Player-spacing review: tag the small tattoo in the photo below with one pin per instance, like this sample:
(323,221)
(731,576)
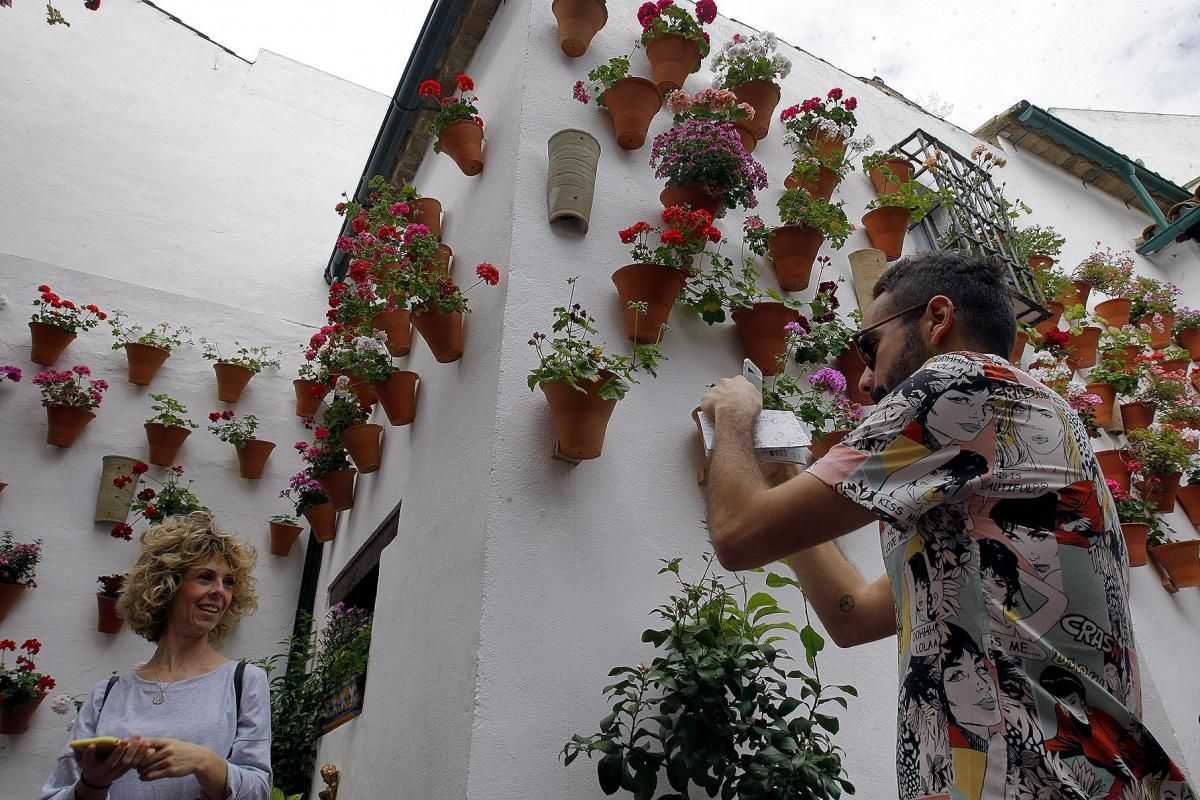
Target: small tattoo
(847,603)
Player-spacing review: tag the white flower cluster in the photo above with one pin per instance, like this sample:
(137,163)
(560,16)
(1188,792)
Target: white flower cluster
(833,129)
(1048,370)
(375,343)
(740,48)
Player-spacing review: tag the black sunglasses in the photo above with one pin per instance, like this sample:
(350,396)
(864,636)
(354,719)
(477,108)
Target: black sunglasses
(866,347)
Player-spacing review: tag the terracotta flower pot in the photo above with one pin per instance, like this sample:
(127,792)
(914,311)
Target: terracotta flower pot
(48,343)
(398,396)
(1019,347)
(1181,561)
(283,536)
(822,188)
(442,332)
(3,486)
(1040,262)
(746,134)
(763,96)
(107,618)
(1176,365)
(339,487)
(252,457)
(1050,323)
(323,521)
(1189,497)
(1190,340)
(901,167)
(850,364)
(672,57)
(1136,534)
(793,249)
(826,443)
(1081,350)
(578,22)
(65,423)
(1129,355)
(656,286)
(398,327)
(762,333)
(827,146)
(1112,464)
(1115,312)
(16,718)
(362,443)
(1164,496)
(1082,290)
(581,418)
(1108,396)
(231,381)
(428,212)
(144,361)
(10,593)
(463,141)
(691,194)
(632,104)
(308,396)
(164,442)
(1159,338)
(886,227)
(1136,416)
(441,260)
(363,391)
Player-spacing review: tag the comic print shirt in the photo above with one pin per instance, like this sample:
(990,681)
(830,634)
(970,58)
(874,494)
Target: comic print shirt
(1018,676)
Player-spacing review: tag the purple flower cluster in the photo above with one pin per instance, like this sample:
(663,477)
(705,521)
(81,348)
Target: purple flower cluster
(829,380)
(710,154)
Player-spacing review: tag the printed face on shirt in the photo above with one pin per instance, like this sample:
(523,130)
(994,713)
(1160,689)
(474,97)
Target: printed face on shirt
(959,416)
(971,692)
(1042,430)
(1039,548)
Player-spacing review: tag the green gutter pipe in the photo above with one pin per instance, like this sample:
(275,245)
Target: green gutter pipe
(1127,171)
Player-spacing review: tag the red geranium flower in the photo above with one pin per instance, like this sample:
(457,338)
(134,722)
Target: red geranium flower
(851,104)
(122,530)
(488,273)
(140,469)
(465,84)
(32,646)
(121,481)
(8,644)
(43,288)
(672,236)
(430,88)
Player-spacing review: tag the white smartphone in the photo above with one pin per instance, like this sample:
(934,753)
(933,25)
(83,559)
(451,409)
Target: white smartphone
(752,373)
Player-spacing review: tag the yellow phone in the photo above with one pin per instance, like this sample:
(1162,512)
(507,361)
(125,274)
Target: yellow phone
(104,744)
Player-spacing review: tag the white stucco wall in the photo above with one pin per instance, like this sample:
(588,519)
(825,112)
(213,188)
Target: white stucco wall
(1166,143)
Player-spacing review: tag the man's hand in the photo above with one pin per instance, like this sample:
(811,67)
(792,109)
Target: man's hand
(732,398)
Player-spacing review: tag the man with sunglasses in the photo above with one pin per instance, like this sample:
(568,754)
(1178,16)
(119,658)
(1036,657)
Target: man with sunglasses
(940,464)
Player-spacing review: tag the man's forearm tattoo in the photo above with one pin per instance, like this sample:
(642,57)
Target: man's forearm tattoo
(847,603)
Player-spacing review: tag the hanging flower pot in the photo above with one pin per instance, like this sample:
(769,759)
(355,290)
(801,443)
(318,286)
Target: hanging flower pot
(231,381)
(1129,355)
(581,418)
(1190,340)
(144,361)
(866,268)
(1050,323)
(398,327)
(428,212)
(308,396)
(691,194)
(793,249)
(112,501)
(1112,463)
(1160,335)
(746,134)
(656,286)
(322,519)
(763,96)
(886,227)
(828,146)
(1136,416)
(1181,562)
(463,141)
(362,443)
(761,328)
(107,618)
(363,391)
(442,332)
(1082,290)
(1081,350)
(673,57)
(1189,497)
(822,188)
(339,487)
(573,159)
(578,22)
(1161,493)
(1115,312)
(164,442)
(15,717)
(1019,346)
(1108,396)
(65,423)
(10,593)
(1040,262)
(632,104)
(1176,365)
(49,342)
(398,396)
(1136,534)
(283,536)
(901,168)
(828,439)
(850,363)
(252,457)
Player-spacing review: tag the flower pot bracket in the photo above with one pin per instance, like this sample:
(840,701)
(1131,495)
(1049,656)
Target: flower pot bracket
(558,455)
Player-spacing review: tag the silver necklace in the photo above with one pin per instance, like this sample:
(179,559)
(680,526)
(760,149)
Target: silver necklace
(160,696)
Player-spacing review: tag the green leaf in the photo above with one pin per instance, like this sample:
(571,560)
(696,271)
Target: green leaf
(647,782)
(759,599)
(677,773)
(608,771)
(655,637)
(830,724)
(813,644)
(607,723)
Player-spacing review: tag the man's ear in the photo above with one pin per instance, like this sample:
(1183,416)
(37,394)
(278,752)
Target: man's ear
(940,318)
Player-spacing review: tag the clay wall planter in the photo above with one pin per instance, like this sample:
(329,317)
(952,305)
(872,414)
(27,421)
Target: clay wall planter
(1129,355)
(339,487)
(398,327)
(441,260)
(65,423)
(252,457)
(1181,561)
(574,157)
(672,57)
(1176,365)
(886,227)
(793,249)
(656,286)
(828,439)
(463,141)
(1108,396)
(746,135)
(901,167)
(581,418)
(1189,497)
(866,268)
(442,332)
(1136,416)
(632,104)
(308,396)
(10,593)
(1019,347)
(1115,312)
(1159,338)
(112,504)
(578,22)
(764,97)
(164,442)
(323,521)
(827,146)
(363,391)
(107,618)
(48,343)
(398,396)
(1082,291)
(231,381)
(1112,464)
(1190,340)
(428,212)
(691,194)
(283,536)
(1081,350)
(144,362)
(1136,534)
(3,486)
(1050,323)
(362,443)
(16,718)
(762,334)
(1040,262)
(822,188)
(1163,498)
(850,364)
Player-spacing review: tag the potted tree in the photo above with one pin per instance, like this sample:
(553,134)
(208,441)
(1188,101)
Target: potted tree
(22,687)
(582,383)
(457,124)
(252,453)
(234,372)
(171,499)
(675,40)
(1158,457)
(167,429)
(1137,518)
(889,215)
(706,166)
(107,619)
(309,500)
(807,223)
(146,349)
(631,101)
(18,569)
(750,67)
(55,324)
(69,397)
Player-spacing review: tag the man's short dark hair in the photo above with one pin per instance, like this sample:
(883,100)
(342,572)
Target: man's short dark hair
(977,285)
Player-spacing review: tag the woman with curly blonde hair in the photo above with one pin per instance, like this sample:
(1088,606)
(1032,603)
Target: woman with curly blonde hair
(190,721)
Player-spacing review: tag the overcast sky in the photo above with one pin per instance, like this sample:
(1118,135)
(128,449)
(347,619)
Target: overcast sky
(978,57)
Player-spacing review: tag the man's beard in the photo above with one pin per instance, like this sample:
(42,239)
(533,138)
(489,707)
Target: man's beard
(913,355)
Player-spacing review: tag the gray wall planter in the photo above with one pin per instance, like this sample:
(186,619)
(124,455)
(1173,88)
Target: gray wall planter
(571,178)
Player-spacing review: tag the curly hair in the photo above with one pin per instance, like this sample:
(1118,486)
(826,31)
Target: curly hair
(169,549)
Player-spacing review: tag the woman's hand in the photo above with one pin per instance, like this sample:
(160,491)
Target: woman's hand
(103,771)
(172,758)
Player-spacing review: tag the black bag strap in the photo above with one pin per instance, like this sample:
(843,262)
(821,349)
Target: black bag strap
(238,673)
(104,698)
